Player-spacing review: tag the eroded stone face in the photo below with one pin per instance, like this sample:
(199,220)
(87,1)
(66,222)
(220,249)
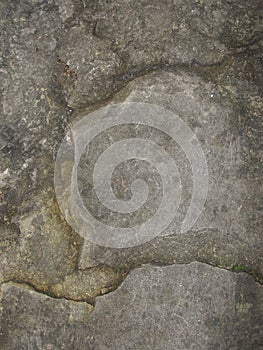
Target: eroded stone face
(199,59)
(37,245)
(89,67)
(147,32)
(192,306)
(36,313)
(212,113)
(45,48)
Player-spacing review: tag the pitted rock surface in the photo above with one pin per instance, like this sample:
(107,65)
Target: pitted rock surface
(175,307)
(61,60)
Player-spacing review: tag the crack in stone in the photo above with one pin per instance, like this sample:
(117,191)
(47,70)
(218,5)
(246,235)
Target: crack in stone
(121,80)
(106,290)
(81,285)
(29,286)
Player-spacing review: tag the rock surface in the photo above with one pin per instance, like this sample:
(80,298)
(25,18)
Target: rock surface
(59,61)
(175,307)
(228,230)
(176,31)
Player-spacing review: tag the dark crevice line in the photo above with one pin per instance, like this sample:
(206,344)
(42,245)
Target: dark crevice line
(258,279)
(30,286)
(234,268)
(124,77)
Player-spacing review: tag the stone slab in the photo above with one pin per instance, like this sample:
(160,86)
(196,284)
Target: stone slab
(178,307)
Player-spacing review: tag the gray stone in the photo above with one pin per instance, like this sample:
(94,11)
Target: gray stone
(88,67)
(60,60)
(27,320)
(175,307)
(37,246)
(228,230)
(148,32)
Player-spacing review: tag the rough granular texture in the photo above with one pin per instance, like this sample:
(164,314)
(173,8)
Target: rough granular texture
(59,61)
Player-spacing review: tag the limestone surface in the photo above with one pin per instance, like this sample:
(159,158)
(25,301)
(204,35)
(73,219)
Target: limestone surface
(64,60)
(191,306)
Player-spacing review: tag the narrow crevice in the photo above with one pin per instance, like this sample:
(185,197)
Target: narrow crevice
(126,76)
(30,286)
(102,289)
(238,268)
(234,268)
(106,290)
